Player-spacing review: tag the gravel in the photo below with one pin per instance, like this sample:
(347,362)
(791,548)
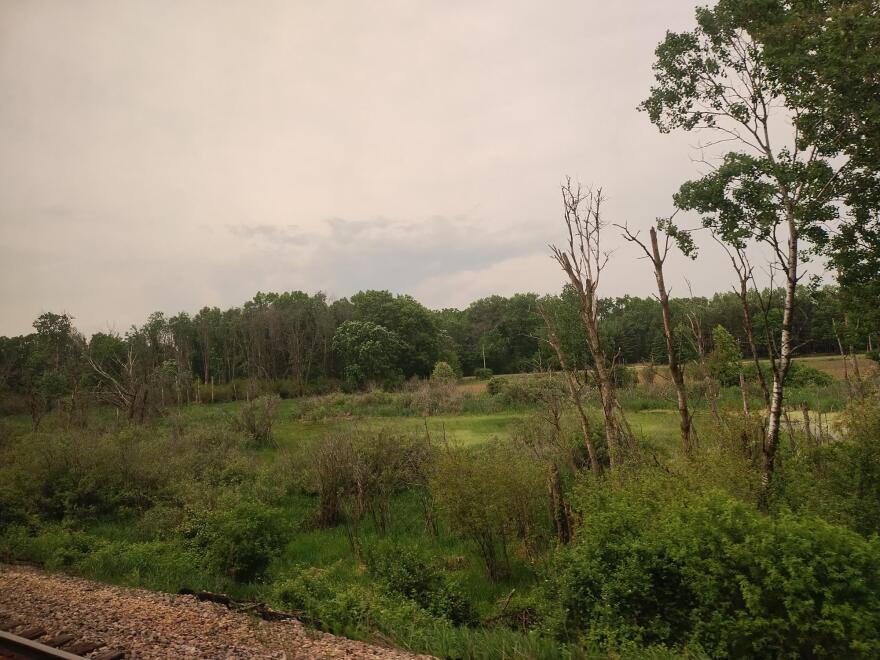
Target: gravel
(148,624)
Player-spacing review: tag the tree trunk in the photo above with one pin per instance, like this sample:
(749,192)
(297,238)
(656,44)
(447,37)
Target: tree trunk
(607,390)
(574,392)
(771,444)
(561,512)
(684,415)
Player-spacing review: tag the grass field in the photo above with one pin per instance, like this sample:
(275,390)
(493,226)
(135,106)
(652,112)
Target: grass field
(149,548)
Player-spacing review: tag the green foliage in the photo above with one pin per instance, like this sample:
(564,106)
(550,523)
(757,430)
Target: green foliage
(624,376)
(492,497)
(529,391)
(255,419)
(405,571)
(712,574)
(443,373)
(236,537)
(409,321)
(355,474)
(725,360)
(840,480)
(369,351)
(481,373)
(799,375)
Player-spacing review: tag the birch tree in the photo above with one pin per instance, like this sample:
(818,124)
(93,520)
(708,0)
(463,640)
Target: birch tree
(777,187)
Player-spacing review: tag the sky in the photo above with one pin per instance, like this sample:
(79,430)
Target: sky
(168,155)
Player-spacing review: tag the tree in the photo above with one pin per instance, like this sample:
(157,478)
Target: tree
(443,373)
(369,352)
(583,260)
(409,320)
(574,384)
(658,259)
(825,57)
(782,191)
(725,359)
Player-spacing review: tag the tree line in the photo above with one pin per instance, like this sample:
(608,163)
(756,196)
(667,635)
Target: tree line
(300,343)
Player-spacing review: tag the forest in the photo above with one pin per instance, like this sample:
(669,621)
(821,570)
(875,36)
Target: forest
(534,476)
(294,344)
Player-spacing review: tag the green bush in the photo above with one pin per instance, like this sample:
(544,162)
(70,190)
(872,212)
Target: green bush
(840,480)
(404,571)
(443,372)
(710,573)
(799,375)
(725,360)
(492,497)
(522,391)
(237,537)
(325,601)
(482,373)
(624,376)
(495,385)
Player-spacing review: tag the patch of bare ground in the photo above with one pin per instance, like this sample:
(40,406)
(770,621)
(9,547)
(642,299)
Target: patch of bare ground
(147,624)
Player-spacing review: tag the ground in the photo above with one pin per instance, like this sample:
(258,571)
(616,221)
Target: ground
(148,624)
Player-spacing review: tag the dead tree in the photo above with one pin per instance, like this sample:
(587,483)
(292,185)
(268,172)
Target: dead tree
(128,389)
(658,258)
(574,388)
(582,259)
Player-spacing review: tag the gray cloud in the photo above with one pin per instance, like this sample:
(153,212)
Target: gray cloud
(285,235)
(167,155)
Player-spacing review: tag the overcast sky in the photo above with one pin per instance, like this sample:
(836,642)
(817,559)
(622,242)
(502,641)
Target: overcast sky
(165,155)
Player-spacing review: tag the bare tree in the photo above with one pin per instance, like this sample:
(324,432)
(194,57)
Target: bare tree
(583,260)
(658,258)
(575,388)
(125,385)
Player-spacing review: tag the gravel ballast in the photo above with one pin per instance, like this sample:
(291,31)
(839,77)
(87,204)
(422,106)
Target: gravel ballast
(148,624)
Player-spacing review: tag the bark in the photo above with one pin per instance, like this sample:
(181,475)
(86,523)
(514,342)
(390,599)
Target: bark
(684,415)
(574,391)
(583,260)
(771,444)
(607,390)
(561,509)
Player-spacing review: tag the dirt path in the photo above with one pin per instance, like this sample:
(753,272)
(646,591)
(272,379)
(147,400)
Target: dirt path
(148,624)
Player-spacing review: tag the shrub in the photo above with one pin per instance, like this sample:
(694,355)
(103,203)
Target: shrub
(355,474)
(317,596)
(799,375)
(495,385)
(624,376)
(443,373)
(237,538)
(402,570)
(491,497)
(725,359)
(482,373)
(710,573)
(525,390)
(255,419)
(840,481)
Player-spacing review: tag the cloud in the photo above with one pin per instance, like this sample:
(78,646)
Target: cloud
(270,234)
(534,272)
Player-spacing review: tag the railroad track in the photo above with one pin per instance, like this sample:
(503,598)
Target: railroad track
(20,641)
